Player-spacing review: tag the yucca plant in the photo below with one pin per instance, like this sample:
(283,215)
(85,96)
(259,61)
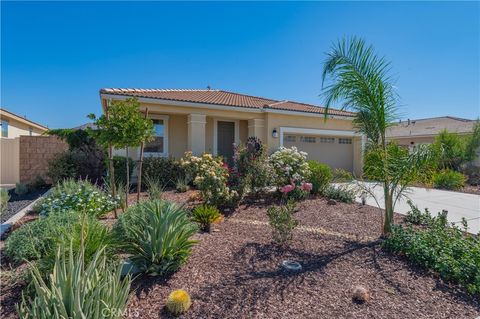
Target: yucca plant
(76,289)
(205,215)
(157,235)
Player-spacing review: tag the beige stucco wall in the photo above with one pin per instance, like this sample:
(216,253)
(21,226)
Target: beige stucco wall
(407,141)
(9,160)
(17,128)
(178,127)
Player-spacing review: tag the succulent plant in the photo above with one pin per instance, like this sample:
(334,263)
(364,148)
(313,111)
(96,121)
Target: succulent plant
(178,302)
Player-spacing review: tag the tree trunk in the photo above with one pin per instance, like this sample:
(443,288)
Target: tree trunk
(140,164)
(387,224)
(127,183)
(112,177)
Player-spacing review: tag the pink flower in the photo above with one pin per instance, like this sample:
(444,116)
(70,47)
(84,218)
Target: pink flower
(306,186)
(287,188)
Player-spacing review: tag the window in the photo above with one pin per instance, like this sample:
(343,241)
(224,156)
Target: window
(327,140)
(308,139)
(290,138)
(4,128)
(344,141)
(159,144)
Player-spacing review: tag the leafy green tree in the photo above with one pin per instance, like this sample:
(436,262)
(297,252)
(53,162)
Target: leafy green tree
(122,126)
(360,79)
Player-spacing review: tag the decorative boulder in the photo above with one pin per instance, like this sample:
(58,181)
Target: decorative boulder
(332,202)
(360,294)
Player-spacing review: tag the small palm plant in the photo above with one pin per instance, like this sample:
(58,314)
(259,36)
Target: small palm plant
(360,79)
(76,289)
(205,215)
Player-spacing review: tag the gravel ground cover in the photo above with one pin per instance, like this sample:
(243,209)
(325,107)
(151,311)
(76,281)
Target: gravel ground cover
(234,272)
(18,202)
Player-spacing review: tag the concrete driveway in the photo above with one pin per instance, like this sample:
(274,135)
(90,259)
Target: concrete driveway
(457,204)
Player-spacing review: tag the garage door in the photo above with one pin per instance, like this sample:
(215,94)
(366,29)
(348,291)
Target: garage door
(334,151)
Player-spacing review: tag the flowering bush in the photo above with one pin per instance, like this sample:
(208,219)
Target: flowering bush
(78,196)
(291,172)
(210,176)
(251,166)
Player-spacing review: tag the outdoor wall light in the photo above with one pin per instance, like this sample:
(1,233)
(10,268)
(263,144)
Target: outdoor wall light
(274,133)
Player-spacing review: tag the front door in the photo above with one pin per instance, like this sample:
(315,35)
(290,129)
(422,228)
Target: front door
(225,139)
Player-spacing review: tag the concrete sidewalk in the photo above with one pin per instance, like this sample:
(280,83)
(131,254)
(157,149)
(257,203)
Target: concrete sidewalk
(457,204)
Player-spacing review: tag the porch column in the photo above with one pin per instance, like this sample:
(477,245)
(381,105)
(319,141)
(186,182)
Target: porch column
(256,127)
(196,133)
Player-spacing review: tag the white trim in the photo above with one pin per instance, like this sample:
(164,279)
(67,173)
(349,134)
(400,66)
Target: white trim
(215,132)
(165,153)
(313,131)
(223,107)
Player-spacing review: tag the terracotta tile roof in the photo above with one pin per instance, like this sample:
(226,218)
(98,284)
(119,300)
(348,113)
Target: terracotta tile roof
(220,97)
(431,126)
(309,108)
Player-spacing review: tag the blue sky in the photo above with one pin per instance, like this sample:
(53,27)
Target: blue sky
(56,56)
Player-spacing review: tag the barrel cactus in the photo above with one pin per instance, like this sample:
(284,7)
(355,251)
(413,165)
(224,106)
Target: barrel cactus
(178,302)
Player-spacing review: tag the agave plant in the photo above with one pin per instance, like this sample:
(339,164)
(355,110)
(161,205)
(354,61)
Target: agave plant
(76,290)
(157,235)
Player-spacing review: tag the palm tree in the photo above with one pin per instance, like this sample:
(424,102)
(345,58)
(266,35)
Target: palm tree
(360,80)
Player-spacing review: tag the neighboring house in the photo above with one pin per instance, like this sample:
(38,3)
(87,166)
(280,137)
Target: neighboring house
(213,120)
(411,133)
(13,125)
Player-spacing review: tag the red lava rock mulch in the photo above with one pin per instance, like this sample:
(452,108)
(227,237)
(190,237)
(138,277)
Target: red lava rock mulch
(235,273)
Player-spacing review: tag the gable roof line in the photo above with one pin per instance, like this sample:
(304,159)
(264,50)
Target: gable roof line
(223,98)
(23,119)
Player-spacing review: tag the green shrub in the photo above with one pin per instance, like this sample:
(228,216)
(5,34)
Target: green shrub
(87,236)
(340,193)
(181,185)
(157,235)
(62,166)
(449,179)
(341,176)
(34,240)
(449,251)
(320,176)
(79,196)
(165,170)
(120,168)
(416,217)
(204,215)
(4,198)
(154,188)
(282,222)
(77,289)
(21,189)
(38,183)
(251,170)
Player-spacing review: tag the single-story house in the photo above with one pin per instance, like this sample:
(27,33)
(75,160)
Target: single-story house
(411,133)
(213,120)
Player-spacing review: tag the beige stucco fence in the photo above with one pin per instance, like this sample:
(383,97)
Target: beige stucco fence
(9,160)
(26,157)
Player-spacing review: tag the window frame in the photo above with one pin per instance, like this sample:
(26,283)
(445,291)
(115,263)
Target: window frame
(165,119)
(2,123)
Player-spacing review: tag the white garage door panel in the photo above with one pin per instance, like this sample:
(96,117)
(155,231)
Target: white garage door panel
(334,154)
